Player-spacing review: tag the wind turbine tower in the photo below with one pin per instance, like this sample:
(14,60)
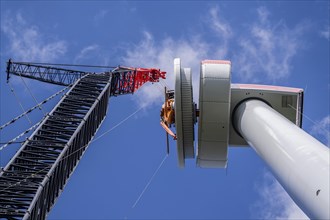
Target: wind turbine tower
(266,118)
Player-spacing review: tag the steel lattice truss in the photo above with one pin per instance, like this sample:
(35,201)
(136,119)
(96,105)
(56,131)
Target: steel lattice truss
(50,74)
(36,175)
(125,80)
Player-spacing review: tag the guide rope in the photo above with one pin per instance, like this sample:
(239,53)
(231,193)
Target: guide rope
(78,65)
(97,138)
(32,94)
(34,107)
(19,102)
(150,180)
(12,141)
(303,114)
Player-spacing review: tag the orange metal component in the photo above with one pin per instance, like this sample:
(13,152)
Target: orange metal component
(167,112)
(168,130)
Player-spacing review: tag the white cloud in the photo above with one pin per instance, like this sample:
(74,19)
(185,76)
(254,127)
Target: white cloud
(266,52)
(274,202)
(160,54)
(100,15)
(218,24)
(325,33)
(26,41)
(321,129)
(148,53)
(90,53)
(222,29)
(87,53)
(263,14)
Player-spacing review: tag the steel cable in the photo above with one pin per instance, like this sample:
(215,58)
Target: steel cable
(32,94)
(19,102)
(32,175)
(34,107)
(59,64)
(19,136)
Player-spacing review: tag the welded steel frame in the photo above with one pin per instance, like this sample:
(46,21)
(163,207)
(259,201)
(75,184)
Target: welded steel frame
(50,74)
(123,82)
(34,178)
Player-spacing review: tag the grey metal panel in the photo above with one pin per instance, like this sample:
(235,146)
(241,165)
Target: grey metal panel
(37,174)
(285,100)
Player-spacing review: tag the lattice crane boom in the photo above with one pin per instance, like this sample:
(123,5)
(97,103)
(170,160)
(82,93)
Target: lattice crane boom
(124,79)
(38,172)
(35,176)
(44,73)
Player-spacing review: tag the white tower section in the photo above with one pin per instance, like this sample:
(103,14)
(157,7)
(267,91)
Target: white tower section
(299,161)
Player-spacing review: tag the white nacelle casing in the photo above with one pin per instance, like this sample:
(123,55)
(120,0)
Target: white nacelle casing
(214,115)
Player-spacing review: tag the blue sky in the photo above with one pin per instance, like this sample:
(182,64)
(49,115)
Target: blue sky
(276,42)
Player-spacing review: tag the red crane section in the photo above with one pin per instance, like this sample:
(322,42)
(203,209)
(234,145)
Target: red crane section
(129,79)
(144,75)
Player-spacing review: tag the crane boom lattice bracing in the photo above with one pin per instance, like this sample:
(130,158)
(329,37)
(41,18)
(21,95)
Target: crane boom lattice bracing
(50,74)
(34,178)
(125,80)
